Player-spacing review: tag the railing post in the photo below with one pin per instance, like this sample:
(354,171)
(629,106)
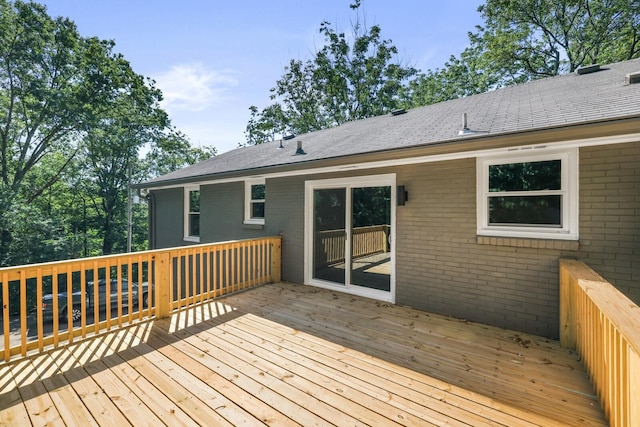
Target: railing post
(276,260)
(567,315)
(158,267)
(162,284)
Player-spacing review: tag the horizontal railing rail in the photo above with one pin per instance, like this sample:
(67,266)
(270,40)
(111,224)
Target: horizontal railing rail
(603,325)
(46,305)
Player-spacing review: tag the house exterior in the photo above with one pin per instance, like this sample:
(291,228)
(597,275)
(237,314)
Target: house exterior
(460,208)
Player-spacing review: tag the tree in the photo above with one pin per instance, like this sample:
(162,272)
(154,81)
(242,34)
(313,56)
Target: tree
(528,39)
(350,78)
(74,117)
(460,77)
(54,86)
(112,144)
(172,151)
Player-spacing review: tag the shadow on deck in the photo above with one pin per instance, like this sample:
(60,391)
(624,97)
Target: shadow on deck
(287,354)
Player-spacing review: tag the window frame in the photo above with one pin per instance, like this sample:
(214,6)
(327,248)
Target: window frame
(187,212)
(248,201)
(568,192)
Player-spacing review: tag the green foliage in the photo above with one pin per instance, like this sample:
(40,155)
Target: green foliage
(74,118)
(172,151)
(371,206)
(513,205)
(264,125)
(525,40)
(528,39)
(526,176)
(112,145)
(458,78)
(352,77)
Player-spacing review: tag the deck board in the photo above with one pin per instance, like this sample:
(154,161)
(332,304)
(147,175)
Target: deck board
(295,355)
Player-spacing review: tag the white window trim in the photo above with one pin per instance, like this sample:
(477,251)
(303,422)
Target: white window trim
(247,201)
(186,205)
(569,192)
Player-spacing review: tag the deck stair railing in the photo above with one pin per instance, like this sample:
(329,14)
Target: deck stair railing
(603,325)
(46,305)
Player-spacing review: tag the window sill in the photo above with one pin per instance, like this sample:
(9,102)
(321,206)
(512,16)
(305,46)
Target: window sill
(517,242)
(191,239)
(253,225)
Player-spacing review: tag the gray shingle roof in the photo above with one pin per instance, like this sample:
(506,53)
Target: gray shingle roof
(552,102)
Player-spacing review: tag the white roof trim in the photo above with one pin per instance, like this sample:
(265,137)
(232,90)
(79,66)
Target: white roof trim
(589,142)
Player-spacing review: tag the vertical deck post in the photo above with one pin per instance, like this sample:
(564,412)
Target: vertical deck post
(162,284)
(567,315)
(276,260)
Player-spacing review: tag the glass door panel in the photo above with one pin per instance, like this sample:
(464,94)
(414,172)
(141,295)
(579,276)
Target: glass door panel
(329,234)
(370,263)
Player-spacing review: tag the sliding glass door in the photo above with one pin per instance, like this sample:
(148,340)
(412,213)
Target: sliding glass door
(329,234)
(349,234)
(370,263)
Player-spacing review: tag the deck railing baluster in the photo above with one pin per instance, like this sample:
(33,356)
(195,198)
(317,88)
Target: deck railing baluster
(601,324)
(5,315)
(176,278)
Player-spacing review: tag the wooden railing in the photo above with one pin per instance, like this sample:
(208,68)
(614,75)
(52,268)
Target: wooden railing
(603,325)
(330,244)
(111,291)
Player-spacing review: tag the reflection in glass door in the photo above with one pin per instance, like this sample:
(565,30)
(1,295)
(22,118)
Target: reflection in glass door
(350,234)
(370,237)
(329,234)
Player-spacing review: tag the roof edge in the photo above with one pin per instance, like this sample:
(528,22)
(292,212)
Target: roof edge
(552,134)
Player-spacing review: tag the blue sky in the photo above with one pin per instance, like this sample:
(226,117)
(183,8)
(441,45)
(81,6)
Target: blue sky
(213,59)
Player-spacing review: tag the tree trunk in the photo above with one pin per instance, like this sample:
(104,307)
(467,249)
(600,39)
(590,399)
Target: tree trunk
(5,245)
(110,236)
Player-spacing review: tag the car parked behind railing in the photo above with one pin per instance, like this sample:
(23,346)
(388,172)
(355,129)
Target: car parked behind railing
(75,302)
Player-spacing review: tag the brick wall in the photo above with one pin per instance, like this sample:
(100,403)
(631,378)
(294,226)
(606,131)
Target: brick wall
(610,214)
(443,267)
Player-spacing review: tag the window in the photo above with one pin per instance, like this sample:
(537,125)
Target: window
(192,214)
(531,196)
(254,191)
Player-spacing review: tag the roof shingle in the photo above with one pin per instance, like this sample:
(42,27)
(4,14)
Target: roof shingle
(552,102)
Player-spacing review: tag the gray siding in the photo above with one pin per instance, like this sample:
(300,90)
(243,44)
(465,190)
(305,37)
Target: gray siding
(442,265)
(284,215)
(167,223)
(222,214)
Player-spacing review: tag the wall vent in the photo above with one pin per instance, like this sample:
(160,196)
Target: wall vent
(632,78)
(588,69)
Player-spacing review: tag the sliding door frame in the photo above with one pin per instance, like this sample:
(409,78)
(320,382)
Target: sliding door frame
(384,180)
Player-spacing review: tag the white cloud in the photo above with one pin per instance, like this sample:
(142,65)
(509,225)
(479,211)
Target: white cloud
(193,87)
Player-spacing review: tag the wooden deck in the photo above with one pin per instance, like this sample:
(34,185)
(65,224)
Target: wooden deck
(296,355)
